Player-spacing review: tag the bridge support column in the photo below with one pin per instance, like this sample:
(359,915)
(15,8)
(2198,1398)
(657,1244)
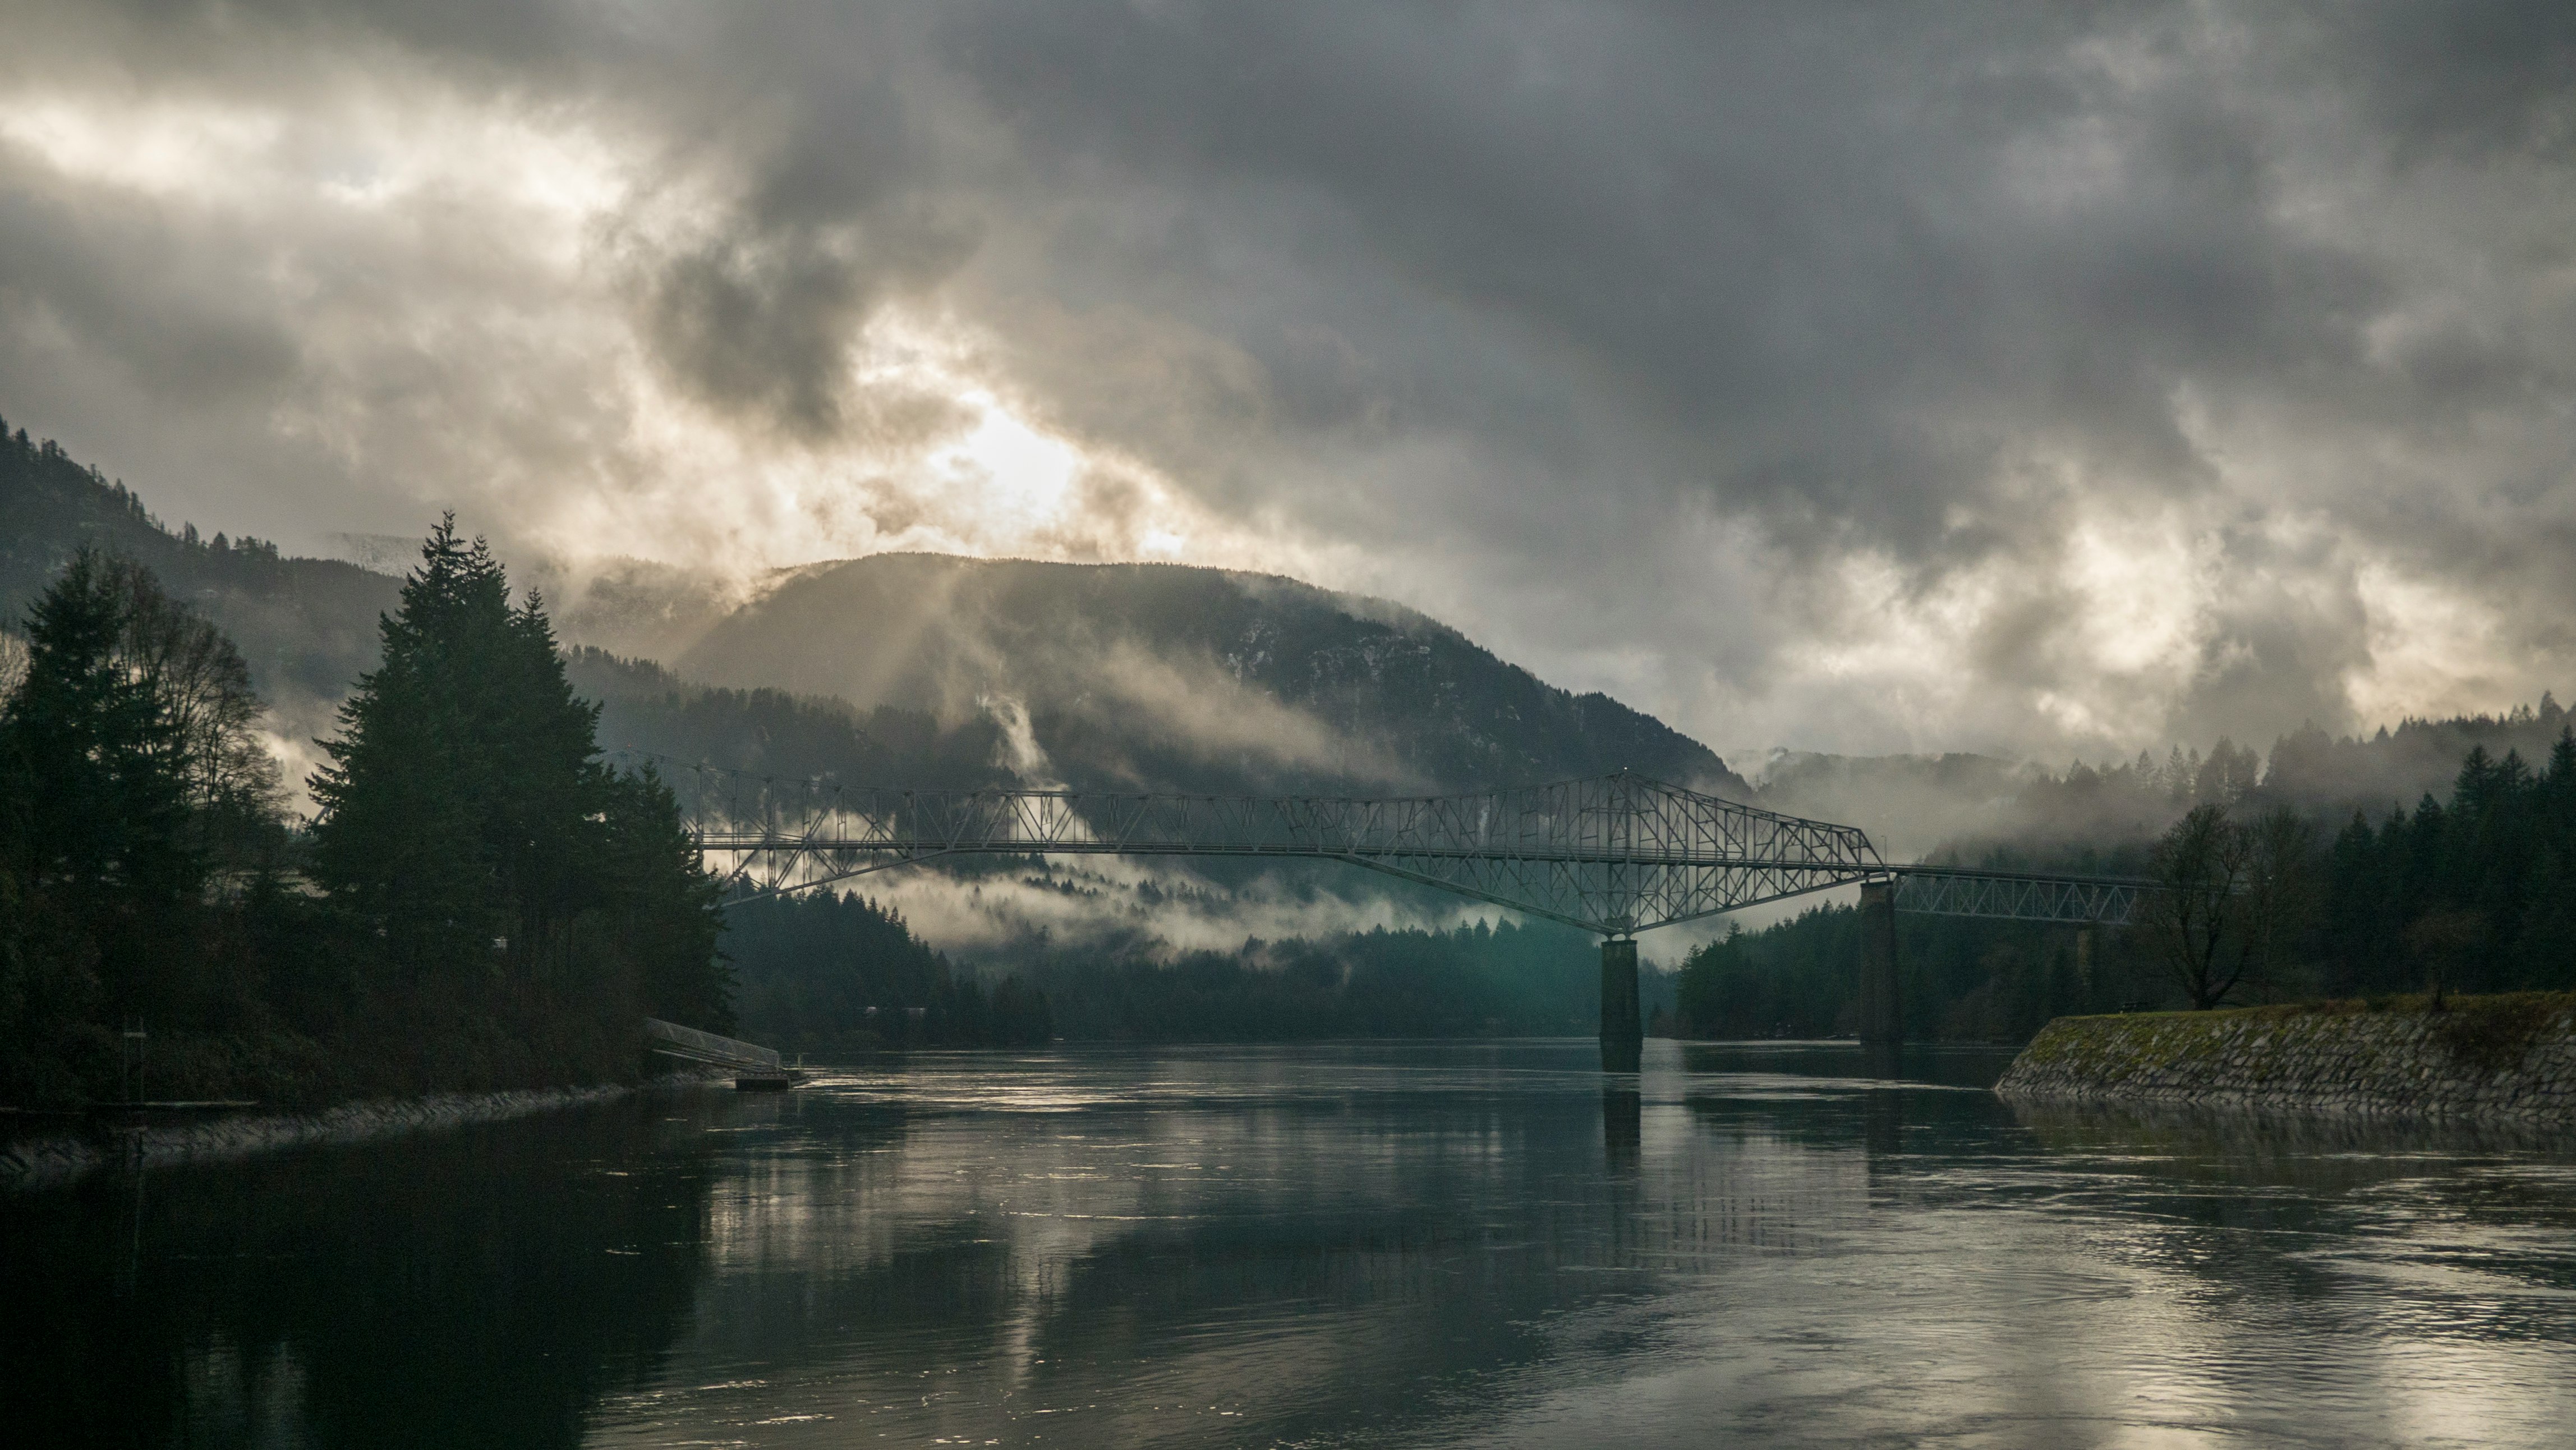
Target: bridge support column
(1882,1016)
(1623,1032)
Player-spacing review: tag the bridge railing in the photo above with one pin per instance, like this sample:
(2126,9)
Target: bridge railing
(1613,819)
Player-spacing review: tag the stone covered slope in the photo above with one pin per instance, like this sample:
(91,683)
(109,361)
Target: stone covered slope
(43,1162)
(2510,1056)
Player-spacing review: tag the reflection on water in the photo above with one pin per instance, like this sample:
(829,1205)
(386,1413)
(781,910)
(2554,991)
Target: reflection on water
(482,1287)
(1395,1243)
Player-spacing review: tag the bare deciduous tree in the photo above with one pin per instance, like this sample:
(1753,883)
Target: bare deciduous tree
(2444,941)
(204,689)
(2199,868)
(2232,898)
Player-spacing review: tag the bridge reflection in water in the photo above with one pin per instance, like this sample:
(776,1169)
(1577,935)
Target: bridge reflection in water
(1617,854)
(1408,1243)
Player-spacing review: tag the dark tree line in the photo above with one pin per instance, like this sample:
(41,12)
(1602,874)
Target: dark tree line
(1479,980)
(2477,895)
(833,975)
(1960,979)
(827,974)
(479,903)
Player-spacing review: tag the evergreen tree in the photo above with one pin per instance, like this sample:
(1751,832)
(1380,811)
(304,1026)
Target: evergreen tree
(466,815)
(405,834)
(93,766)
(2482,882)
(128,767)
(463,809)
(665,903)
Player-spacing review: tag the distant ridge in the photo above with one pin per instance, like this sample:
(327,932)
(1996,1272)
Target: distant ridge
(946,669)
(1170,676)
(955,671)
(307,627)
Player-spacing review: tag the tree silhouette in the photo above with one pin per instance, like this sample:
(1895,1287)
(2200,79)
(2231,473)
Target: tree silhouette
(467,818)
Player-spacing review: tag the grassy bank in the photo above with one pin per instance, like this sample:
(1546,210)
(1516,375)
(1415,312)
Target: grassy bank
(2511,1054)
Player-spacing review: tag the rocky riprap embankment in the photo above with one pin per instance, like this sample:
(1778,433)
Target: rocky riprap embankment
(2506,1057)
(45,1161)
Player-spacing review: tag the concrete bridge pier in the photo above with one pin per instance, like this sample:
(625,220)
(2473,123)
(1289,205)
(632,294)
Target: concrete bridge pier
(1882,1015)
(1623,1030)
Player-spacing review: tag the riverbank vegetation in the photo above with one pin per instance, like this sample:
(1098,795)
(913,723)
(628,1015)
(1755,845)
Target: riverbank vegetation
(2476,893)
(2504,1056)
(1478,980)
(480,903)
(836,976)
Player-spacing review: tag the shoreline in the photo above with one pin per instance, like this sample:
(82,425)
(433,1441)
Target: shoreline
(52,1160)
(2509,1057)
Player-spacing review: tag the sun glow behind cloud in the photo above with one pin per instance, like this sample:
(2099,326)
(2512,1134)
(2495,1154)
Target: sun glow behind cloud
(632,467)
(695,490)
(2135,432)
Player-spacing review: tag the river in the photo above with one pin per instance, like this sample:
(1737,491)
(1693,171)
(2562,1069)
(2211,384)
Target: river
(1380,1244)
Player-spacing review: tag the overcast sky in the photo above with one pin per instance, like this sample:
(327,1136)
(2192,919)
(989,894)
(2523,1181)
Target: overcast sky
(2051,378)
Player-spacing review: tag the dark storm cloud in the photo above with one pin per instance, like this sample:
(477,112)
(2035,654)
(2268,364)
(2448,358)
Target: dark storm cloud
(1673,348)
(1764,226)
(154,306)
(833,201)
(2470,79)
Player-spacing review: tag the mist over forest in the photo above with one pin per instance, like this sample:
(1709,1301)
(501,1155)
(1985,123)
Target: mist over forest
(936,671)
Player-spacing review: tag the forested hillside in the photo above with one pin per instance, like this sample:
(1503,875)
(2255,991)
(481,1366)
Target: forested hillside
(1166,677)
(936,670)
(946,672)
(2472,891)
(1480,980)
(767,732)
(1965,806)
(480,903)
(835,974)
(306,627)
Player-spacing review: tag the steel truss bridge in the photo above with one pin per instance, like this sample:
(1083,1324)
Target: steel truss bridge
(1616,854)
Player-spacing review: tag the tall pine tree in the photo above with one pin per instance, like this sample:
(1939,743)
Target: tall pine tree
(93,761)
(467,817)
(410,804)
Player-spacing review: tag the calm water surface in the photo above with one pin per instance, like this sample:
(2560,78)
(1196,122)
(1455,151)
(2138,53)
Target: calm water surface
(1405,1244)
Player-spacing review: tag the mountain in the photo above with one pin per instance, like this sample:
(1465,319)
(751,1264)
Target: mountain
(944,671)
(923,668)
(1168,677)
(307,627)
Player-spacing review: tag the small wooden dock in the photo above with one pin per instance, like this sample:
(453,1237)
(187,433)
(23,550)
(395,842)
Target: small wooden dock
(755,1069)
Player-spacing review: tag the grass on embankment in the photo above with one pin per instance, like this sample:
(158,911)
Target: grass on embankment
(2491,1033)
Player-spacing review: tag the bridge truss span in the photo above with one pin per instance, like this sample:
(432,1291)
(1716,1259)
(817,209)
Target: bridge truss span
(1615,854)
(2020,896)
